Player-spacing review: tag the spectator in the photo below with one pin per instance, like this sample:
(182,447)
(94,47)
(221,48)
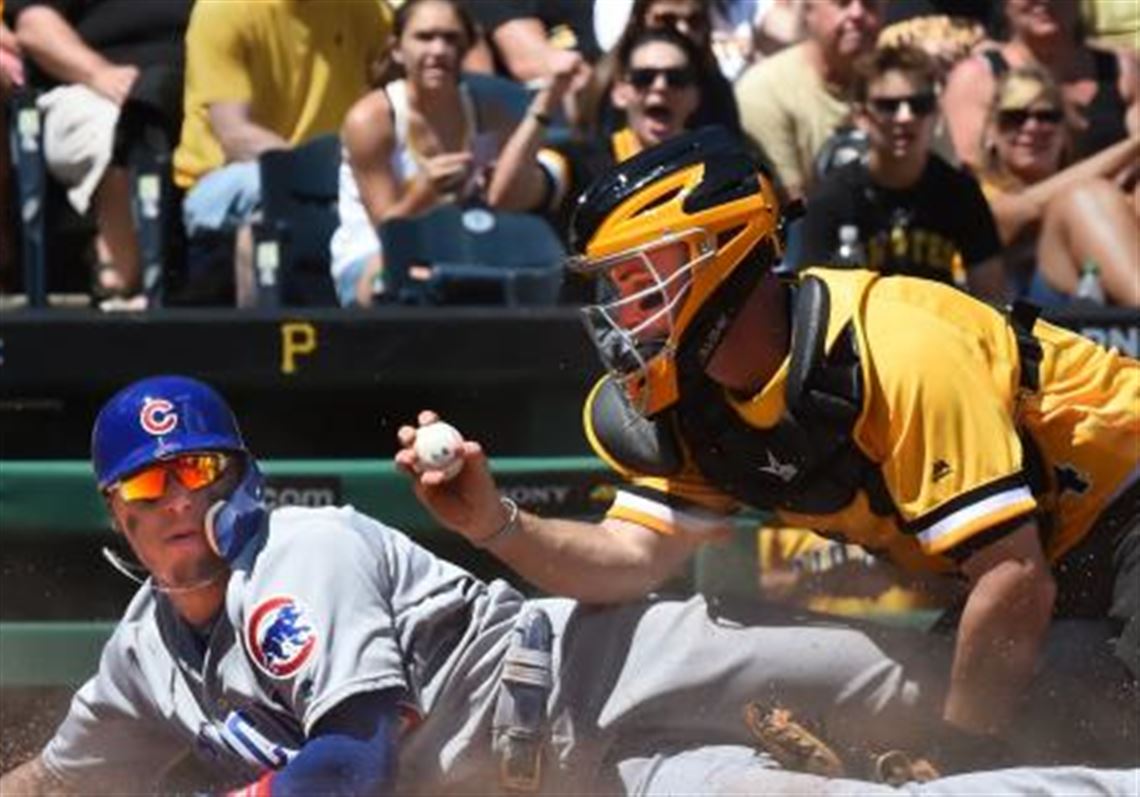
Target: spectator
(691,19)
(1054,218)
(659,72)
(949,30)
(1112,23)
(1099,86)
(95,57)
(792,102)
(915,214)
(261,76)
(423,140)
(776,24)
(527,35)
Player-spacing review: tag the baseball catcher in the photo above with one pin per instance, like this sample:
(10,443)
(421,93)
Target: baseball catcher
(940,433)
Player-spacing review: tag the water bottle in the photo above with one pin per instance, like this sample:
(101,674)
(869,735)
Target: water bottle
(1088,286)
(850,253)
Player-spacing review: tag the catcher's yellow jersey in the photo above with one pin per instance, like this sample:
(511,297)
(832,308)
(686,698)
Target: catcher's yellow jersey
(942,410)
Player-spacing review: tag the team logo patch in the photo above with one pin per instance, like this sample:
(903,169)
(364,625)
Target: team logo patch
(157,416)
(279,636)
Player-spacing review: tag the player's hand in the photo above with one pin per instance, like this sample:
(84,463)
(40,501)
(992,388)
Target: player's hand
(468,503)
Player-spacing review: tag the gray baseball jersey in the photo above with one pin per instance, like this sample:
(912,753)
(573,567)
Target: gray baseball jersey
(646,697)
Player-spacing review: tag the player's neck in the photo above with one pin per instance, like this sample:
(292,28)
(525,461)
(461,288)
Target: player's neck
(199,606)
(756,344)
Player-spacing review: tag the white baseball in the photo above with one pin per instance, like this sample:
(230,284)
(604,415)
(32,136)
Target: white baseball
(439,446)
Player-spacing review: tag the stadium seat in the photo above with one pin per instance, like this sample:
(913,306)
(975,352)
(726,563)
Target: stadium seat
(472,255)
(144,136)
(25,138)
(299,216)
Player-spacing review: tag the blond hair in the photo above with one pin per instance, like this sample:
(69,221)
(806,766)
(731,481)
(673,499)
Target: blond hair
(1017,89)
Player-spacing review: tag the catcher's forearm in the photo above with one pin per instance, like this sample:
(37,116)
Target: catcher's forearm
(999,638)
(32,778)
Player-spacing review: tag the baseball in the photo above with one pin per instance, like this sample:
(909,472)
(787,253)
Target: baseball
(439,446)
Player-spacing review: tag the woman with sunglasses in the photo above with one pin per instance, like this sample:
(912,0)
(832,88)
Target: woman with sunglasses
(914,213)
(1099,87)
(1055,218)
(658,88)
(691,19)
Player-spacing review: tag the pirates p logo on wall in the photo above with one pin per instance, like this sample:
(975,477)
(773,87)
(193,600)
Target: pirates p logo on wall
(158,417)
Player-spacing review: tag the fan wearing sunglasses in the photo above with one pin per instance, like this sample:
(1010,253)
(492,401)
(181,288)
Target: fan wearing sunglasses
(658,87)
(1055,217)
(915,214)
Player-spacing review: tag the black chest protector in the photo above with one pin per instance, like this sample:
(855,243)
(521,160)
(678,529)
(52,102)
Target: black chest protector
(808,462)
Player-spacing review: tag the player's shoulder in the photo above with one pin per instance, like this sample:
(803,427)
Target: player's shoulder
(626,441)
(302,528)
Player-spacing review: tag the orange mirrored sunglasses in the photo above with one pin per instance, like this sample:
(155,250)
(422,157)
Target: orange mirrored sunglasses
(194,471)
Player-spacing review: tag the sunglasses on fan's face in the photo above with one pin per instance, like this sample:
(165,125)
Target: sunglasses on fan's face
(920,104)
(194,471)
(676,77)
(1015,118)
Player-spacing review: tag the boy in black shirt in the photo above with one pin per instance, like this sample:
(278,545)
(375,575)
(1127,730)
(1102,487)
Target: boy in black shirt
(915,214)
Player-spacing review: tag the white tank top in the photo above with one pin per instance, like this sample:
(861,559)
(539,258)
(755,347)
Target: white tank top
(355,238)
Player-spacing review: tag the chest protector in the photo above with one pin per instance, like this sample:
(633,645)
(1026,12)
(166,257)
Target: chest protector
(808,462)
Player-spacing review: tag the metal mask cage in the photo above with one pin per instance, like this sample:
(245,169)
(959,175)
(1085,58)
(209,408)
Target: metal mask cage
(642,291)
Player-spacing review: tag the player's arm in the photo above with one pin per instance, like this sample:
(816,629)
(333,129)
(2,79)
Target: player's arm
(608,562)
(352,750)
(33,779)
(622,558)
(1004,622)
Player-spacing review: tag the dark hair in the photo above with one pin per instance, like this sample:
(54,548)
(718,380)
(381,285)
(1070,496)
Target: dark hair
(405,11)
(665,35)
(902,58)
(637,24)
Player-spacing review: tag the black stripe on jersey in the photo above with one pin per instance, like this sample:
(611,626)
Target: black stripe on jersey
(668,499)
(923,522)
(968,547)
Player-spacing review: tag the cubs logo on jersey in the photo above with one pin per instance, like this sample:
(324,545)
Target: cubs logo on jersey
(157,416)
(279,636)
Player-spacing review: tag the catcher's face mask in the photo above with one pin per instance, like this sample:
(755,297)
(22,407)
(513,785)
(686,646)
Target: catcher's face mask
(642,291)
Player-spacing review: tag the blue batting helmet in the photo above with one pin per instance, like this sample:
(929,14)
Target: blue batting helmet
(164,416)
(159,418)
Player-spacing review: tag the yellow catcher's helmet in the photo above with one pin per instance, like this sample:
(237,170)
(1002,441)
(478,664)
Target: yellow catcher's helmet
(677,236)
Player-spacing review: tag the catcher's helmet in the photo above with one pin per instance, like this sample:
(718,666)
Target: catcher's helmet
(672,232)
(162,417)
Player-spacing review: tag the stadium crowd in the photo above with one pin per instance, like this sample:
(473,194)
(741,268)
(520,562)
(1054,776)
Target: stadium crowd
(878,114)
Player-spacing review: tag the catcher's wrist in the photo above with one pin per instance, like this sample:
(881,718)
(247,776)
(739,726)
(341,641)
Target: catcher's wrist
(510,525)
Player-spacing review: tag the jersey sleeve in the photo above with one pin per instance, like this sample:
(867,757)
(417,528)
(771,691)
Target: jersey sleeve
(953,461)
(318,621)
(114,739)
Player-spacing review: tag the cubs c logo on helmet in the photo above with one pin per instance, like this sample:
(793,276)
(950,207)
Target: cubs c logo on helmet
(157,416)
(279,637)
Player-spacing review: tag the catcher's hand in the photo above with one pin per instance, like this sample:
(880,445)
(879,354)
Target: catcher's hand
(792,745)
(798,748)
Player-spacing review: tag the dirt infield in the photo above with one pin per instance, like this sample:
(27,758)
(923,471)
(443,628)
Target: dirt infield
(28,717)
